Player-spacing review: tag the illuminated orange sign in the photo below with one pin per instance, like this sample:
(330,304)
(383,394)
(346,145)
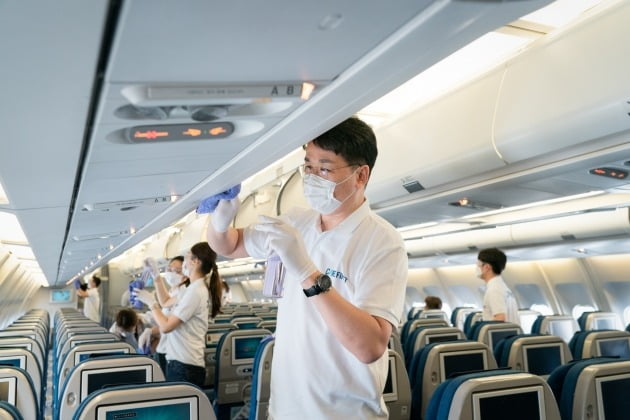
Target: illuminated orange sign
(179,132)
(194,132)
(150,134)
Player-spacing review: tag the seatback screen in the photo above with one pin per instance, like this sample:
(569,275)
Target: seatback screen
(616,347)
(244,349)
(612,397)
(458,362)
(512,404)
(185,408)
(541,360)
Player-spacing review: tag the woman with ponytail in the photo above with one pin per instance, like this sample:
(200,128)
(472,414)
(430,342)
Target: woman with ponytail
(187,323)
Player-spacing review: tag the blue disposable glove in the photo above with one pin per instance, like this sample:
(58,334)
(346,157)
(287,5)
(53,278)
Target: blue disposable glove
(77,283)
(136,284)
(209,204)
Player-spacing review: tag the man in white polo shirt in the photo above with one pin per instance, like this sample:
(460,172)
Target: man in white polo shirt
(499,303)
(345,283)
(92,302)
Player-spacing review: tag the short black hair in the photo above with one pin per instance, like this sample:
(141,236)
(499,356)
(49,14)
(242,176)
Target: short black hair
(495,257)
(351,139)
(97,280)
(127,319)
(178,258)
(432,302)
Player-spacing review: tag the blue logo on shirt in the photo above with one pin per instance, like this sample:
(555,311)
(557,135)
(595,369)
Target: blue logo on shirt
(336,274)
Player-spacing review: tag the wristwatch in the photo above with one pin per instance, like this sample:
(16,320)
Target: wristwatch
(322,285)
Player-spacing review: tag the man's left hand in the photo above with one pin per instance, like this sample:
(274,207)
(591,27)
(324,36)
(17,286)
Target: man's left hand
(287,242)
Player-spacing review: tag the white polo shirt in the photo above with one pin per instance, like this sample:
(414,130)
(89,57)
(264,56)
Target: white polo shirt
(174,293)
(313,375)
(187,342)
(92,305)
(499,299)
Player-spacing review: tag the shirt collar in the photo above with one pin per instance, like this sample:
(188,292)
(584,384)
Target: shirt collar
(350,223)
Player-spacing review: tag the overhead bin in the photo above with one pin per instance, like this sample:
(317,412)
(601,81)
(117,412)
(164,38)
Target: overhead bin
(591,225)
(579,226)
(444,141)
(565,90)
(570,88)
(460,242)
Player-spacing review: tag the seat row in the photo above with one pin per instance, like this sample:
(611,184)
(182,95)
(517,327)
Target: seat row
(23,361)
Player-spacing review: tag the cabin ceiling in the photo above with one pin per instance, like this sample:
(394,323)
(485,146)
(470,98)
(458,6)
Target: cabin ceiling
(81,189)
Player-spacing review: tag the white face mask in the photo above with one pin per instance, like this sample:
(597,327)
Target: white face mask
(320,193)
(478,272)
(173,279)
(186,270)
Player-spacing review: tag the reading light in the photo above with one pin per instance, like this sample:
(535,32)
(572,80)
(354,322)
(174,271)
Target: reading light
(307,90)
(207,112)
(477,205)
(609,172)
(132,112)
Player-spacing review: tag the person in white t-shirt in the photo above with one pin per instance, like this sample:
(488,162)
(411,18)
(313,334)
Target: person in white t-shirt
(186,325)
(168,287)
(346,273)
(499,303)
(92,302)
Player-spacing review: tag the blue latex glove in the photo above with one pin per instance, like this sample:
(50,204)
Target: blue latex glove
(210,204)
(77,283)
(136,284)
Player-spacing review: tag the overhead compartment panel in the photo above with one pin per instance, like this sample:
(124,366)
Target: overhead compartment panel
(570,88)
(444,141)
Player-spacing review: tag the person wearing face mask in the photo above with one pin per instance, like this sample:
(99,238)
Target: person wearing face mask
(346,273)
(499,303)
(185,326)
(92,301)
(168,286)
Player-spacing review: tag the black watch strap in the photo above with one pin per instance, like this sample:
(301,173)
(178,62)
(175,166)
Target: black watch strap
(313,290)
(322,284)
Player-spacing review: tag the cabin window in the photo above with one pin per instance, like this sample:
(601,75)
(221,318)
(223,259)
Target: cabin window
(412,298)
(578,310)
(572,294)
(618,294)
(466,295)
(543,309)
(529,294)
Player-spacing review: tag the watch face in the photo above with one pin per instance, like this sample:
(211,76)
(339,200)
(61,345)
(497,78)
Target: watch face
(324,282)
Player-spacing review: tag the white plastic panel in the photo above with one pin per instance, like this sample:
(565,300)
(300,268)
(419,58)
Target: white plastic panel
(568,89)
(260,202)
(444,141)
(193,232)
(582,226)
(292,194)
